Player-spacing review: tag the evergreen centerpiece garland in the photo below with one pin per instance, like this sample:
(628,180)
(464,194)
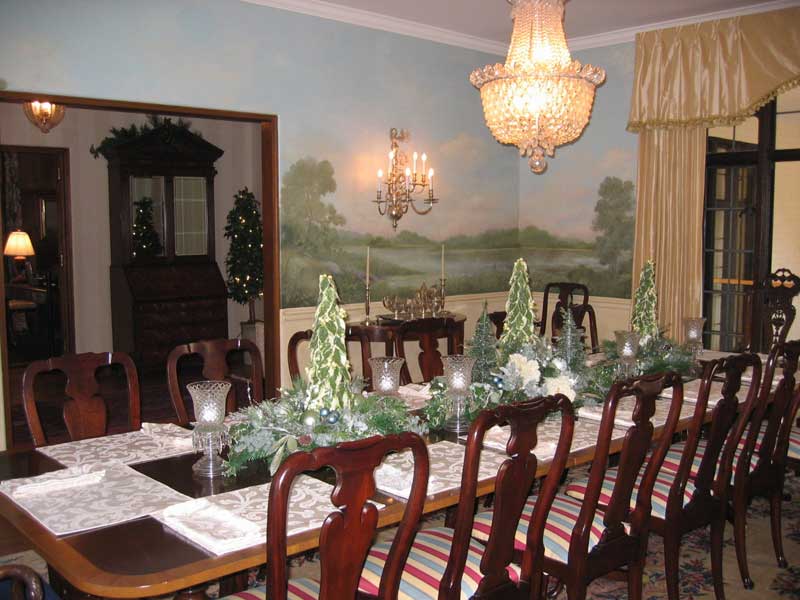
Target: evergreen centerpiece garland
(521,365)
(327,409)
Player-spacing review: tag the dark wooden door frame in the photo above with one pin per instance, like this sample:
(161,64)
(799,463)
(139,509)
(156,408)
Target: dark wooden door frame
(65,210)
(269,212)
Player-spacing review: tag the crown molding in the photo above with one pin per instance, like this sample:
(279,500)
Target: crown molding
(373,20)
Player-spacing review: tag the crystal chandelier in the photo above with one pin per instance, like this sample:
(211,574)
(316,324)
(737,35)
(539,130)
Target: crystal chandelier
(403,181)
(45,115)
(540,98)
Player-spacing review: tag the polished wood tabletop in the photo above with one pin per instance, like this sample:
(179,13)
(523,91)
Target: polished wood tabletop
(143,557)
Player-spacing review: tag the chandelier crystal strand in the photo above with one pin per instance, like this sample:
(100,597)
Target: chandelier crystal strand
(541,98)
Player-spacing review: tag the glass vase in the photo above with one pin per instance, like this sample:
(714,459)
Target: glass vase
(627,348)
(693,332)
(209,436)
(386,373)
(458,375)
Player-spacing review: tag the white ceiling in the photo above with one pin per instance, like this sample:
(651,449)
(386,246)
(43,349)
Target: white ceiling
(486,24)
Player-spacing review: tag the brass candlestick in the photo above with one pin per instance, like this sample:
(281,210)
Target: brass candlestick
(367,320)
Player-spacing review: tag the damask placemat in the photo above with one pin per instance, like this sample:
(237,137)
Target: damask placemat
(153,441)
(394,476)
(236,520)
(691,389)
(89,496)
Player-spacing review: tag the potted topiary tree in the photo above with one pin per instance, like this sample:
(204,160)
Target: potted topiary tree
(245,261)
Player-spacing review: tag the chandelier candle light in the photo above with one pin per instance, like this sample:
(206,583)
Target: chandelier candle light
(541,98)
(403,181)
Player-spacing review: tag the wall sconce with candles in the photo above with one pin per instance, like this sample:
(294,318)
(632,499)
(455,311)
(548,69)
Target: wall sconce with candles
(45,115)
(403,181)
(19,246)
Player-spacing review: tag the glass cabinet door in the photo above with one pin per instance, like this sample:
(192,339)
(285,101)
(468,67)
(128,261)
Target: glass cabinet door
(191,216)
(148,216)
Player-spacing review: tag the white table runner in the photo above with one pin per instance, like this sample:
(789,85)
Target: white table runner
(691,389)
(237,520)
(153,441)
(89,496)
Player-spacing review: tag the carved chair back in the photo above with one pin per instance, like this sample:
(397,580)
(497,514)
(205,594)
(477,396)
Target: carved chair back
(347,533)
(566,300)
(428,331)
(780,413)
(214,354)
(721,438)
(779,290)
(85,412)
(21,574)
(498,319)
(512,486)
(645,391)
(364,335)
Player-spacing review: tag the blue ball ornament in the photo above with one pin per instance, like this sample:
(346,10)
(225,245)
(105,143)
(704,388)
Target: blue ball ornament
(324,412)
(333,417)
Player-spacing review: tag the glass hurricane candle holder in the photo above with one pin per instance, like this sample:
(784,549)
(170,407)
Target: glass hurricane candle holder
(693,331)
(627,347)
(386,373)
(458,374)
(209,436)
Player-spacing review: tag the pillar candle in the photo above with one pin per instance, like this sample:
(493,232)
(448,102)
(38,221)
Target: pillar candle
(367,265)
(442,261)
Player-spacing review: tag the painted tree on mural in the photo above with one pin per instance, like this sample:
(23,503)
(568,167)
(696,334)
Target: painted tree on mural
(614,222)
(308,223)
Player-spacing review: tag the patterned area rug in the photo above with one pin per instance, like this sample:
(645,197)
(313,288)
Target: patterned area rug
(695,573)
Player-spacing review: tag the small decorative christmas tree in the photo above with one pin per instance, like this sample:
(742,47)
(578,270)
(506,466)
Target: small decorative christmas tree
(329,369)
(483,348)
(570,347)
(144,238)
(520,322)
(644,319)
(245,262)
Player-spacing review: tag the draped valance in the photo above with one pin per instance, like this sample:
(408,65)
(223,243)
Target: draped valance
(714,73)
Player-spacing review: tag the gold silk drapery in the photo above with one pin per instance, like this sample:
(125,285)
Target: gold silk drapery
(714,73)
(687,79)
(669,220)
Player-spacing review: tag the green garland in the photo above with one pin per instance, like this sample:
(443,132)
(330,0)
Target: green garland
(328,409)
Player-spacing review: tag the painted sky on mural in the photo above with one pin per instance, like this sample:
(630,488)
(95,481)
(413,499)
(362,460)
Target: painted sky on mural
(563,199)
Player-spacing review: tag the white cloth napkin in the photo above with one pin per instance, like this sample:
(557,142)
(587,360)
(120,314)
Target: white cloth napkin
(174,434)
(57,481)
(212,527)
(415,395)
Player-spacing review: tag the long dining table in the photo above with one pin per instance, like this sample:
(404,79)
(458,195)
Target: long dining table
(143,557)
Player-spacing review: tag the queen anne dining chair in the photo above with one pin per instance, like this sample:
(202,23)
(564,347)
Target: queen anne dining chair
(214,354)
(445,563)
(566,300)
(347,532)
(85,411)
(582,541)
(762,452)
(691,489)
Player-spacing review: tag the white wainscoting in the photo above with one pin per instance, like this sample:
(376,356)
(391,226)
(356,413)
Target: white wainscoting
(612,314)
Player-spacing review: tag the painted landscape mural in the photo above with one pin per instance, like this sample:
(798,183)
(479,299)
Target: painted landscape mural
(574,223)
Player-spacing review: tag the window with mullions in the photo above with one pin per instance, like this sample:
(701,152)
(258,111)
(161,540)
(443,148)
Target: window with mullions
(752,215)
